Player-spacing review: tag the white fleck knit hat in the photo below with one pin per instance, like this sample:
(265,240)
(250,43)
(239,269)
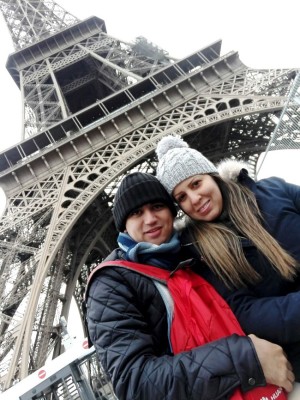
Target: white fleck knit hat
(177,162)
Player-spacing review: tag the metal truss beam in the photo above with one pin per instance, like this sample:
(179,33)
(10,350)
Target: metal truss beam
(95,108)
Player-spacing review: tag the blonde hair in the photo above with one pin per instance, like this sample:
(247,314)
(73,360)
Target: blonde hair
(221,248)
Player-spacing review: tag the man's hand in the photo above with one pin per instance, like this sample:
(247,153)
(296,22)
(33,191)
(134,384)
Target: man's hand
(276,367)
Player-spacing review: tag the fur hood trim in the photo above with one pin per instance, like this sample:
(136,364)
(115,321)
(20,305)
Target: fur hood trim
(181,223)
(230,169)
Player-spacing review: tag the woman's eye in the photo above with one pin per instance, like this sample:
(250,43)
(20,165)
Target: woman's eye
(180,198)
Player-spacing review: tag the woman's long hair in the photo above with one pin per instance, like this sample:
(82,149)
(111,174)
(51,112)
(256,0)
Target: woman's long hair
(220,246)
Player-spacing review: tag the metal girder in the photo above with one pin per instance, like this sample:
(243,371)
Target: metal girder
(98,107)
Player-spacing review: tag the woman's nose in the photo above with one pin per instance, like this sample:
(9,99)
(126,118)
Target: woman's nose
(194,197)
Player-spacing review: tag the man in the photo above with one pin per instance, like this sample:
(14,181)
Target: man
(135,323)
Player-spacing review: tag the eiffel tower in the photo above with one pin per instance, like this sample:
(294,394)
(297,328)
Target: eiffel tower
(94,107)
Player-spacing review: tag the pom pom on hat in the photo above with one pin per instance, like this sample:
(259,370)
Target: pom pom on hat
(177,162)
(169,142)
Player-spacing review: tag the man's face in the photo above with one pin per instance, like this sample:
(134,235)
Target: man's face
(152,222)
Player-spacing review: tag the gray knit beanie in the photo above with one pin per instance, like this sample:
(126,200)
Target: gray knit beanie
(177,162)
(135,190)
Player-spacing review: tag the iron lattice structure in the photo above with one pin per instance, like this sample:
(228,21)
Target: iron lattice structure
(286,135)
(95,108)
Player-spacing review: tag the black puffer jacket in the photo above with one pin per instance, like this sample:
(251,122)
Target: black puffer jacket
(127,323)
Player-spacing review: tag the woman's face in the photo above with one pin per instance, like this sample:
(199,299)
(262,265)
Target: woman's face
(151,223)
(199,197)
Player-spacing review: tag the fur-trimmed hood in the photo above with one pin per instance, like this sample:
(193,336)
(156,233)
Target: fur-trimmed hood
(230,169)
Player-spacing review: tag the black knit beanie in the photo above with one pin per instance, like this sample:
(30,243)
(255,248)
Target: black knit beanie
(135,190)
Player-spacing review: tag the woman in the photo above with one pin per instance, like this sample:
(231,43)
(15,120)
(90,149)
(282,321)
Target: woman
(236,226)
(149,347)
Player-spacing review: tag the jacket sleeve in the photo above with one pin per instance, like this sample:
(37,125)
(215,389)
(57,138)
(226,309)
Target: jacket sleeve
(123,337)
(292,191)
(272,318)
(279,203)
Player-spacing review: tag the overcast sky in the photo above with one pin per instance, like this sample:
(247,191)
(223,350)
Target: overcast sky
(264,32)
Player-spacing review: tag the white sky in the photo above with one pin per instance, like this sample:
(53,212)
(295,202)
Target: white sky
(264,32)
